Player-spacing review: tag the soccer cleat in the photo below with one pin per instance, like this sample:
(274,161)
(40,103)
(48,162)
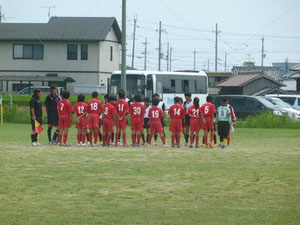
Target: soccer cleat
(155,143)
(38,144)
(50,143)
(78,145)
(219,145)
(148,145)
(133,145)
(228,145)
(197,146)
(138,145)
(60,144)
(191,146)
(166,145)
(125,145)
(178,146)
(215,145)
(85,145)
(143,143)
(34,144)
(112,144)
(173,146)
(66,144)
(54,142)
(186,144)
(224,147)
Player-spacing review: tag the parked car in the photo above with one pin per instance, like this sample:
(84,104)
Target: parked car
(293,100)
(245,105)
(45,90)
(293,113)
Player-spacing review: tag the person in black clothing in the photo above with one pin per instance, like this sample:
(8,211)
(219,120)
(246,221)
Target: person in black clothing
(51,107)
(36,114)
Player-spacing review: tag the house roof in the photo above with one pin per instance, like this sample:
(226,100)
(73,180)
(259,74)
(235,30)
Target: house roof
(61,29)
(295,68)
(244,78)
(36,78)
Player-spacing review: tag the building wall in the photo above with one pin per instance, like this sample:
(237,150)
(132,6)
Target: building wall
(257,85)
(93,71)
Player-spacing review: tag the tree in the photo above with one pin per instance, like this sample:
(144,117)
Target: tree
(249,64)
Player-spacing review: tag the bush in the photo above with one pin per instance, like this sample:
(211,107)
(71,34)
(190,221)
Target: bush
(269,120)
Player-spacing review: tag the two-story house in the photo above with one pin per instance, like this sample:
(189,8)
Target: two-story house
(87,49)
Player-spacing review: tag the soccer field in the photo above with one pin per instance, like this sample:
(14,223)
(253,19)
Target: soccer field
(256,181)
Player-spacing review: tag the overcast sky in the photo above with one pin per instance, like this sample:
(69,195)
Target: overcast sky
(189,25)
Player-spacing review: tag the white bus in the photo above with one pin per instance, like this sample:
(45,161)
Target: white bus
(167,84)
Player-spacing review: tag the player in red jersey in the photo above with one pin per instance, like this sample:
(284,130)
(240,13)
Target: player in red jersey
(80,111)
(155,115)
(64,108)
(122,109)
(94,109)
(208,113)
(195,123)
(137,111)
(109,114)
(176,113)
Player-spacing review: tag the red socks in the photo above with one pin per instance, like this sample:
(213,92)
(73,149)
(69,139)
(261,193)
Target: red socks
(104,139)
(95,137)
(178,139)
(117,137)
(228,141)
(173,139)
(192,139)
(205,139)
(83,138)
(133,138)
(108,139)
(197,140)
(212,134)
(149,139)
(138,139)
(59,138)
(91,137)
(78,138)
(65,138)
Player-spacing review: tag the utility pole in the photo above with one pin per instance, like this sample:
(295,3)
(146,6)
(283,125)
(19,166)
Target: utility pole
(133,44)
(1,14)
(225,61)
(216,48)
(194,52)
(171,52)
(168,55)
(159,45)
(262,51)
(145,52)
(49,10)
(123,42)
(208,65)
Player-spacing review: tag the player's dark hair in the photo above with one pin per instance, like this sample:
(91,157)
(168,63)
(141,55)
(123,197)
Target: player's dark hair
(155,95)
(66,94)
(53,87)
(176,100)
(155,102)
(35,93)
(224,100)
(188,94)
(106,96)
(80,98)
(196,102)
(121,94)
(95,94)
(137,98)
(112,98)
(146,99)
(209,98)
(180,100)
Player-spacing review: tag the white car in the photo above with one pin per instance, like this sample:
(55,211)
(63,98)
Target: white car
(292,113)
(293,100)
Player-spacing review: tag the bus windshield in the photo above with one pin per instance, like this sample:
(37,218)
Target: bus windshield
(135,84)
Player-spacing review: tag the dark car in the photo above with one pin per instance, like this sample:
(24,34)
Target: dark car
(245,105)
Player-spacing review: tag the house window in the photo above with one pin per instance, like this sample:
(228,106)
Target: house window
(72,52)
(173,86)
(28,51)
(84,52)
(111,53)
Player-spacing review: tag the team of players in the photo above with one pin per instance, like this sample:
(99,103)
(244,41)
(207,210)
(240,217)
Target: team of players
(188,117)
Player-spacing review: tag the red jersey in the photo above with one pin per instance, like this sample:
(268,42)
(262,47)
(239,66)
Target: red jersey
(177,111)
(109,111)
(64,107)
(137,110)
(155,114)
(121,107)
(95,106)
(208,109)
(80,108)
(194,111)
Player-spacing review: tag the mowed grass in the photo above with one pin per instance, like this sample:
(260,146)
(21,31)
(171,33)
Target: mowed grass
(256,181)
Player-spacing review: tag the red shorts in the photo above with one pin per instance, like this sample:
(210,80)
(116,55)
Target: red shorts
(209,123)
(121,124)
(94,121)
(195,125)
(64,121)
(155,127)
(176,126)
(83,123)
(137,124)
(108,125)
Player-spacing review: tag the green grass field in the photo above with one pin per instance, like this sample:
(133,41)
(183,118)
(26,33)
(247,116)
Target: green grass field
(256,181)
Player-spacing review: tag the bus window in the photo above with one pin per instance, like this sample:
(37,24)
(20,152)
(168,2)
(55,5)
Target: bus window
(173,86)
(149,86)
(185,86)
(201,85)
(159,88)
